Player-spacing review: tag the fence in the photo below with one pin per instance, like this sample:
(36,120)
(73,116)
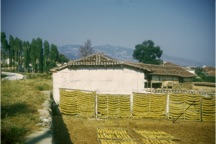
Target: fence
(138,105)
(178,103)
(113,106)
(149,105)
(75,102)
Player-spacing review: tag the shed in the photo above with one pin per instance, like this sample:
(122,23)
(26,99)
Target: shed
(106,75)
(165,75)
(99,73)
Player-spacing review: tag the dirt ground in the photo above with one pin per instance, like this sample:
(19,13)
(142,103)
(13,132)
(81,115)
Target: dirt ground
(77,130)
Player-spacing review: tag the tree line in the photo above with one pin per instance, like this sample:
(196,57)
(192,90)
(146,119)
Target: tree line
(203,76)
(35,56)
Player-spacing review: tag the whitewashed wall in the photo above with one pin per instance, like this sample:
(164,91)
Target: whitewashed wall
(102,80)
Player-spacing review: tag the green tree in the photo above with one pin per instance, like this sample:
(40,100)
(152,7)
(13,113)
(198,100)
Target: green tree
(148,53)
(203,77)
(36,53)
(11,50)
(40,60)
(26,48)
(54,54)
(15,52)
(21,54)
(46,55)
(62,58)
(33,55)
(18,53)
(86,49)
(4,47)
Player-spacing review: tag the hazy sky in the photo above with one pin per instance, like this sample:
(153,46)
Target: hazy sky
(182,28)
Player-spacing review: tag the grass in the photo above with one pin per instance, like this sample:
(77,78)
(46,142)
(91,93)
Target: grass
(84,130)
(20,101)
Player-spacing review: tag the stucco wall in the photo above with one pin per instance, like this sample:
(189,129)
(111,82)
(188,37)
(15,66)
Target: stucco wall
(102,80)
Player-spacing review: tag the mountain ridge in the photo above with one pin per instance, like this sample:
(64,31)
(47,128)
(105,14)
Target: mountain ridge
(122,54)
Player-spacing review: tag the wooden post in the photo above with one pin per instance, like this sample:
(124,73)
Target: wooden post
(95,104)
(200,108)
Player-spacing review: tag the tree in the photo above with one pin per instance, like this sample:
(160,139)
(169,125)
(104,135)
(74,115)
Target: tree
(36,53)
(62,58)
(46,55)
(18,53)
(86,49)
(33,55)
(26,49)
(203,77)
(11,50)
(54,54)
(4,47)
(148,53)
(40,54)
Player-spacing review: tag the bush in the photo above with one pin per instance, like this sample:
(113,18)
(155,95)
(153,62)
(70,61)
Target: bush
(12,134)
(39,75)
(42,86)
(197,79)
(3,75)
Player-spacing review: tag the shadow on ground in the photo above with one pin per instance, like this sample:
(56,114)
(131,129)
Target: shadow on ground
(60,131)
(41,137)
(14,109)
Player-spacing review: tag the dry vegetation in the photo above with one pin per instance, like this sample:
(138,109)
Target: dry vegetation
(84,130)
(20,101)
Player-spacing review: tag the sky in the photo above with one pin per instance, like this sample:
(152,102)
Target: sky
(182,28)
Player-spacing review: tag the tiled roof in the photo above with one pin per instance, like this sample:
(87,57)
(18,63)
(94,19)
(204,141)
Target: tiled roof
(103,60)
(95,59)
(165,70)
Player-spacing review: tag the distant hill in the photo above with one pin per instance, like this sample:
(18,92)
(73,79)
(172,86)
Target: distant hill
(181,61)
(121,53)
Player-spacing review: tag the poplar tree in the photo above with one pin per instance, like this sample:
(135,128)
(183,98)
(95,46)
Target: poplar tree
(39,54)
(17,53)
(4,47)
(33,56)
(11,51)
(54,53)
(26,49)
(46,55)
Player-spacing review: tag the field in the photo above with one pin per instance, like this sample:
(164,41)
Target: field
(80,130)
(20,101)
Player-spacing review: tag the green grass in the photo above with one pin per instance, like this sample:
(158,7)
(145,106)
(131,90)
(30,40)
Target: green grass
(20,101)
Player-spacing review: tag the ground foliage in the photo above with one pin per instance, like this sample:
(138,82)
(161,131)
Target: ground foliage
(84,130)
(20,101)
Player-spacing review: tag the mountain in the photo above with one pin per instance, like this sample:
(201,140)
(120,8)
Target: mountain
(70,51)
(181,61)
(121,53)
(116,52)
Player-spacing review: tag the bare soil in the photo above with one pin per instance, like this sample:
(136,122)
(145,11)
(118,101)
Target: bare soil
(78,130)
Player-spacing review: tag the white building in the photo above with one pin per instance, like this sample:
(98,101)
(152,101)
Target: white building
(105,75)
(98,73)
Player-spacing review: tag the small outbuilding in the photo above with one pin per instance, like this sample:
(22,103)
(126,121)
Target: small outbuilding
(106,75)
(99,73)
